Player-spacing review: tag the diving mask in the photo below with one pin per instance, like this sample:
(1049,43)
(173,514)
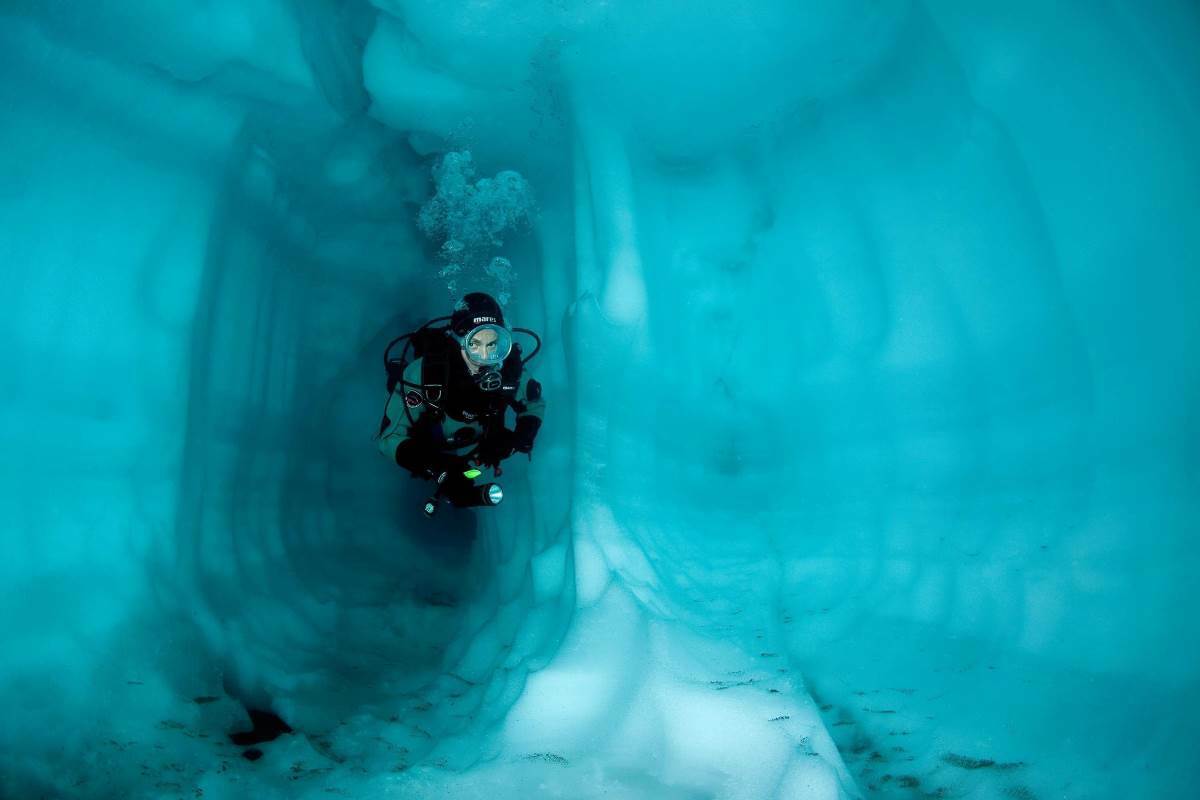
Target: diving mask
(487,345)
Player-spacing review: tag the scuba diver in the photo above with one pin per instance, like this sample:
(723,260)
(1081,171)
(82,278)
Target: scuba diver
(445,414)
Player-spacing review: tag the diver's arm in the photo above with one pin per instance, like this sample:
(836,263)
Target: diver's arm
(420,456)
(394,428)
(395,438)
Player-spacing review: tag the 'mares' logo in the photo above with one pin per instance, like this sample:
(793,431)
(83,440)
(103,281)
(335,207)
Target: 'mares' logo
(481,320)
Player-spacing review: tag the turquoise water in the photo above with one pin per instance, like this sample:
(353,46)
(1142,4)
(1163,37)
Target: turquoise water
(870,463)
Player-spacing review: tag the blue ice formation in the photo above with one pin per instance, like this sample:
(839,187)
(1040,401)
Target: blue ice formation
(871,349)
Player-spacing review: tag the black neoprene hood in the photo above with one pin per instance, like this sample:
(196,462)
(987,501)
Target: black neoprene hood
(474,310)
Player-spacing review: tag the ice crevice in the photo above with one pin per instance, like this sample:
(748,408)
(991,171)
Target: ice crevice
(869,344)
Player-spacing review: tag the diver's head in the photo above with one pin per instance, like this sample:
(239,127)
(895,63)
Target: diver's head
(473,310)
(478,325)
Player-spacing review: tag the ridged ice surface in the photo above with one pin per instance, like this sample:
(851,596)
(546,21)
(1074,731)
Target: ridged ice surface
(870,464)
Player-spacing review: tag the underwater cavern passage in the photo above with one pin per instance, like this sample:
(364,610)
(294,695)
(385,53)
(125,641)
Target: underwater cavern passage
(869,459)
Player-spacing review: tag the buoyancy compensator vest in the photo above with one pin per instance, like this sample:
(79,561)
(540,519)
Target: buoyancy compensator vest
(447,387)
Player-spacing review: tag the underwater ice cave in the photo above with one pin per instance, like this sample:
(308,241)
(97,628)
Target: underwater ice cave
(870,356)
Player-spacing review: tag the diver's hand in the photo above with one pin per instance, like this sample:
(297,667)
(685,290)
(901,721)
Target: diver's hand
(451,467)
(497,445)
(527,429)
(455,481)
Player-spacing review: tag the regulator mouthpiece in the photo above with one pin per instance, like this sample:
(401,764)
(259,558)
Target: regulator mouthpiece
(488,379)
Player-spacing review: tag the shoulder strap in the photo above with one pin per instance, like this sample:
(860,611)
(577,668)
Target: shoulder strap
(435,377)
(511,369)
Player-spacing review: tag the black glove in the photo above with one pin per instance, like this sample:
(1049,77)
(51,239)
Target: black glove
(527,430)
(461,491)
(423,461)
(496,446)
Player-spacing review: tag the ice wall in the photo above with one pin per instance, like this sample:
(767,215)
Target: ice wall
(871,460)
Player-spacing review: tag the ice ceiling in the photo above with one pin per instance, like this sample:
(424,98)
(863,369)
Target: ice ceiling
(871,460)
